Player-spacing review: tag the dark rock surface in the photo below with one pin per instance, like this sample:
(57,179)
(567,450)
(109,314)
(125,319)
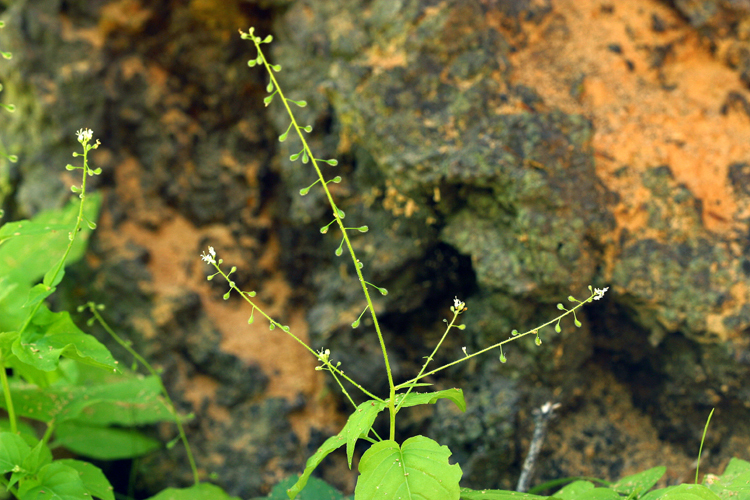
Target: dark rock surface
(510,153)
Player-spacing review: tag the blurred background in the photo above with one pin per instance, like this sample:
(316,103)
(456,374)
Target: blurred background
(508,152)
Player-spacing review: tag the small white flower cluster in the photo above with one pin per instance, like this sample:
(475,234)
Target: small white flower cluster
(458,306)
(210,257)
(84,135)
(323,356)
(599,292)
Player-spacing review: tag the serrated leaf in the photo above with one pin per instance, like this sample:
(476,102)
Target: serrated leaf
(202,491)
(55,481)
(51,335)
(690,492)
(639,483)
(428,398)
(94,480)
(418,469)
(104,443)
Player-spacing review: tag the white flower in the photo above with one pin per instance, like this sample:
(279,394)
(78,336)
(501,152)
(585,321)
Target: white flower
(599,292)
(458,306)
(210,257)
(84,135)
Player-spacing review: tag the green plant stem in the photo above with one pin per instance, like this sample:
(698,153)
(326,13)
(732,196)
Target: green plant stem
(494,346)
(700,450)
(8,399)
(165,393)
(72,238)
(48,431)
(27,322)
(343,389)
(301,342)
(430,357)
(306,147)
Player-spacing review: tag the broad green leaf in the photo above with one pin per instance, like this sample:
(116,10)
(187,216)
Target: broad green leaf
(657,494)
(599,494)
(55,481)
(30,228)
(26,431)
(13,451)
(133,401)
(574,490)
(429,398)
(316,489)
(418,469)
(331,444)
(690,492)
(734,483)
(104,443)
(639,483)
(25,259)
(736,466)
(469,494)
(202,491)
(94,480)
(51,335)
(359,424)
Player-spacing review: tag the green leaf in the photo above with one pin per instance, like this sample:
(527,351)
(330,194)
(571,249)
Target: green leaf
(94,480)
(13,451)
(639,483)
(51,280)
(316,489)
(657,494)
(55,481)
(202,491)
(39,456)
(429,398)
(130,402)
(331,444)
(30,228)
(51,335)
(574,490)
(25,259)
(599,494)
(358,425)
(690,492)
(469,494)
(418,469)
(104,443)
(39,292)
(734,483)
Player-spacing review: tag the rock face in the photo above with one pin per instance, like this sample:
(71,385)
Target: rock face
(508,152)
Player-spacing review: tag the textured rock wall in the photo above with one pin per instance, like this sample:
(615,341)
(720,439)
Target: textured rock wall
(507,152)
